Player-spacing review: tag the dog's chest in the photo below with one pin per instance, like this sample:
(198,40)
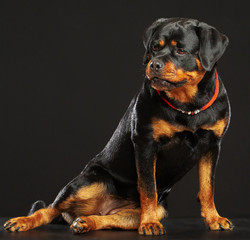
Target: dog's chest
(163,129)
(179,148)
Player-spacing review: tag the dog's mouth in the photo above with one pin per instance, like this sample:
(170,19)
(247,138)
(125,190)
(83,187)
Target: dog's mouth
(164,84)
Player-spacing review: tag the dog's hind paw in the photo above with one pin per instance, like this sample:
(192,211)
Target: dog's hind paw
(80,225)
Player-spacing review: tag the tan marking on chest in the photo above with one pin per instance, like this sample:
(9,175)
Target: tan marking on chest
(218,127)
(162,128)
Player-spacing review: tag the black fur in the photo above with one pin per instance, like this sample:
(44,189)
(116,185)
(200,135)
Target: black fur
(130,152)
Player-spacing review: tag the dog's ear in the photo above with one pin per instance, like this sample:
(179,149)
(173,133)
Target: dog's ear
(147,36)
(212,45)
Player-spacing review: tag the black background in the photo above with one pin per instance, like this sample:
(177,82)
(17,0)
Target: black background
(68,72)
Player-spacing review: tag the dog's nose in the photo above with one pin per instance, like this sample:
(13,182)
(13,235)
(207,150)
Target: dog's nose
(156,65)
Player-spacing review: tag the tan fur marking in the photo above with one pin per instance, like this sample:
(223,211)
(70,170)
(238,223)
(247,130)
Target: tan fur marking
(183,94)
(200,68)
(148,205)
(150,216)
(92,191)
(148,208)
(128,219)
(218,127)
(148,57)
(38,218)
(206,196)
(173,43)
(162,128)
(94,200)
(187,92)
(161,43)
(85,201)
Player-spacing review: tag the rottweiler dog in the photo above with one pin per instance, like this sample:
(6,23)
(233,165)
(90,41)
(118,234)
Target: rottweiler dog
(177,120)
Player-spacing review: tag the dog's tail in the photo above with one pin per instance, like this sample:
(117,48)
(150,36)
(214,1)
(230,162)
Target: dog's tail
(41,204)
(36,206)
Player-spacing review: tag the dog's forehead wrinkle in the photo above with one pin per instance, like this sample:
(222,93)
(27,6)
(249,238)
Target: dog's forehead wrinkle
(180,23)
(162,32)
(175,32)
(187,40)
(164,55)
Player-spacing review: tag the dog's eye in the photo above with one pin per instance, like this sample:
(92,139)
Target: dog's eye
(180,51)
(158,45)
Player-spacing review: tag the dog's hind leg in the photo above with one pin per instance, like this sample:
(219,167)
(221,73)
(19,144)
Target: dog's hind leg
(41,204)
(127,219)
(41,217)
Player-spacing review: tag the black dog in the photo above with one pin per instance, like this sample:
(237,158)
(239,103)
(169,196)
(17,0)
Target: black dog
(177,120)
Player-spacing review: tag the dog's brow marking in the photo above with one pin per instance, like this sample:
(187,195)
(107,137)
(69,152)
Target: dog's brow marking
(162,128)
(161,43)
(173,43)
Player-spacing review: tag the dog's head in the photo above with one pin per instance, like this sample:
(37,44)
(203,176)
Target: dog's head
(179,51)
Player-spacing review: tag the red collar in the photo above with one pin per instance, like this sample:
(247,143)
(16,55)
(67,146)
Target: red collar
(216,91)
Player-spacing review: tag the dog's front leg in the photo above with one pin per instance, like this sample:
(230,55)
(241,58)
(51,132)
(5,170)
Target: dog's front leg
(206,169)
(146,165)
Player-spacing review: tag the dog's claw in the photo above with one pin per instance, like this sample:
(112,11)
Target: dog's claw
(159,229)
(155,228)
(75,224)
(222,227)
(219,223)
(152,230)
(6,224)
(79,220)
(79,226)
(231,226)
(10,225)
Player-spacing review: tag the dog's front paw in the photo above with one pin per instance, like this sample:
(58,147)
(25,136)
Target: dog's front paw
(155,228)
(18,224)
(219,223)
(81,225)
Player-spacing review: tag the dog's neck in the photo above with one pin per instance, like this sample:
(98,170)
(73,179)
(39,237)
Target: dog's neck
(198,95)
(184,94)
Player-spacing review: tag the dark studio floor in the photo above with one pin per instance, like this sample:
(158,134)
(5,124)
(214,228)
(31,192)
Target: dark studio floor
(179,228)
